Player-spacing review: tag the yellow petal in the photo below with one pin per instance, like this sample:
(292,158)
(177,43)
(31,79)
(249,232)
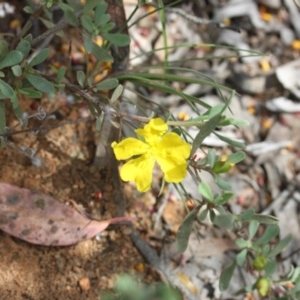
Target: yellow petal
(128,148)
(139,170)
(171,154)
(153,131)
(172,145)
(173,167)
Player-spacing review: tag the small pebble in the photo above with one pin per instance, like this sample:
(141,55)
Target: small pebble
(85,283)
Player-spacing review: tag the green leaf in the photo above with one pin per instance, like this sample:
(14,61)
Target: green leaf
(99,12)
(30,93)
(6,89)
(40,57)
(231,142)
(236,157)
(24,47)
(223,199)
(80,78)
(280,246)
(17,70)
(104,19)
(265,219)
(184,231)
(12,58)
(246,215)
(107,27)
(87,23)
(99,121)
(203,214)
(252,229)
(211,157)
(241,243)
(28,10)
(222,184)
(205,190)
(241,257)
(88,44)
(224,221)
(14,101)
(206,130)
(222,167)
(3,48)
(270,232)
(90,5)
(20,115)
(116,94)
(270,268)
(226,276)
(2,74)
(71,18)
(117,39)
(107,84)
(40,83)
(101,54)
(60,74)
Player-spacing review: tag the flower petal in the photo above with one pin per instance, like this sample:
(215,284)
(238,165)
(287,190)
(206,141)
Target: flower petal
(172,145)
(139,170)
(153,131)
(171,155)
(129,147)
(174,168)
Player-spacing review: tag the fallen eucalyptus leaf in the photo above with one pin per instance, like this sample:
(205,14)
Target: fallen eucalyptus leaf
(40,219)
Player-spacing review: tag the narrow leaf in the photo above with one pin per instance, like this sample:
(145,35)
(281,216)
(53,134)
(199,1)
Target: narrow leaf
(60,74)
(40,57)
(206,130)
(252,229)
(241,257)
(224,221)
(117,39)
(30,93)
(101,54)
(116,94)
(24,47)
(246,215)
(265,219)
(236,157)
(71,18)
(80,78)
(211,157)
(40,83)
(107,84)
(40,219)
(205,190)
(90,5)
(222,184)
(280,246)
(17,70)
(229,141)
(184,231)
(226,276)
(12,58)
(270,232)
(87,23)
(6,89)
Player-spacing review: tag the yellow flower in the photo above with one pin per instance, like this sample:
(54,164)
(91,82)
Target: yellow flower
(165,148)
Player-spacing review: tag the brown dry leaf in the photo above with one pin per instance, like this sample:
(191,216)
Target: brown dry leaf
(40,219)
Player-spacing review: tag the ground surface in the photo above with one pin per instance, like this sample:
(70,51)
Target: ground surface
(81,271)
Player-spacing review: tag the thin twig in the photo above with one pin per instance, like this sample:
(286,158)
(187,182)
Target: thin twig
(49,32)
